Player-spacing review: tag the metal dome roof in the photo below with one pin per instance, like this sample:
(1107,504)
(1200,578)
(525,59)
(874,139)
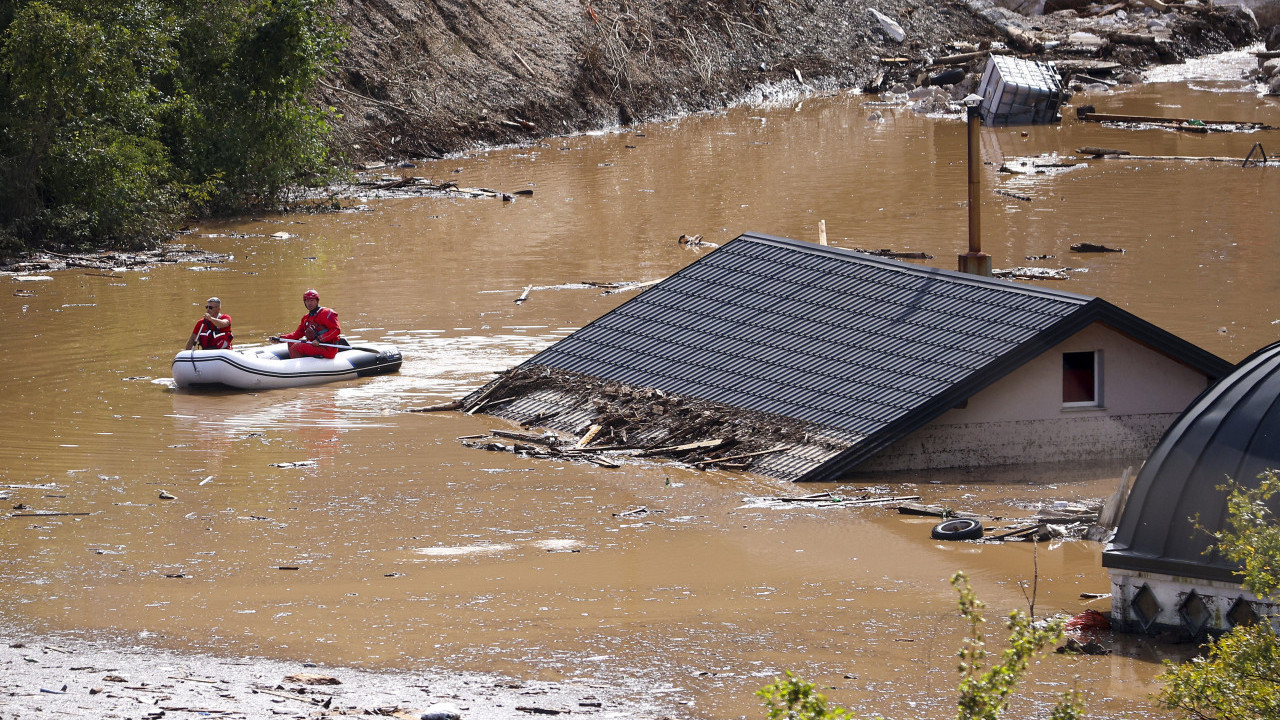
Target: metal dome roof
(1231,431)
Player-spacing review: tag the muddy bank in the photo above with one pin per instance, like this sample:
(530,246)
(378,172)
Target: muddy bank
(73,678)
(420,78)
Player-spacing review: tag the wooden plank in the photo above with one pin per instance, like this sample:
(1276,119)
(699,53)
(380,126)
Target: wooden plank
(671,450)
(744,456)
(588,437)
(1117,117)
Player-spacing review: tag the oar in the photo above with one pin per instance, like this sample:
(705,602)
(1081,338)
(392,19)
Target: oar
(340,347)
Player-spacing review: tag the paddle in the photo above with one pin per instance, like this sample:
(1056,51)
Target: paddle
(340,347)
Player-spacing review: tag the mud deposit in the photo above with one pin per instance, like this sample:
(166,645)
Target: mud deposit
(420,78)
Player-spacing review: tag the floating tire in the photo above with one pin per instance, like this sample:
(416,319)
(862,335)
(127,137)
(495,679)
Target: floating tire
(958,529)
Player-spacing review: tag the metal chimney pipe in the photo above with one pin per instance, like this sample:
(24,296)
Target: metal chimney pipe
(975,262)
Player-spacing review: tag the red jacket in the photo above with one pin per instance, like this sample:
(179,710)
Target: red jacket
(210,337)
(320,325)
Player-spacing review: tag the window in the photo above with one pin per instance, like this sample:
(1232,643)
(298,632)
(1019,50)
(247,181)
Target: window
(1081,379)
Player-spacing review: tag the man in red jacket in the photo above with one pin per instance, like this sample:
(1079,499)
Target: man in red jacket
(213,331)
(319,327)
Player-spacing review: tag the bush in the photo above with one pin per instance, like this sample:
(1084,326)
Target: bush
(1238,675)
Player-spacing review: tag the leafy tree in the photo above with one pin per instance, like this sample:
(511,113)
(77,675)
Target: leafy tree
(1238,675)
(117,117)
(984,694)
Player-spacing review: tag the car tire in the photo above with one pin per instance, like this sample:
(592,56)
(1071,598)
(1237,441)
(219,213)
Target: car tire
(958,529)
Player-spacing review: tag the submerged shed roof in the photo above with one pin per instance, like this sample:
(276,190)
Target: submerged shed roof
(869,347)
(1231,431)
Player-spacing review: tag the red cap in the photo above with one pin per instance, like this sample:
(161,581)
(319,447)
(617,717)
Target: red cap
(311,295)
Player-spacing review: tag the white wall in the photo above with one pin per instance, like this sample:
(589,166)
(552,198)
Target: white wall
(1020,418)
(1171,594)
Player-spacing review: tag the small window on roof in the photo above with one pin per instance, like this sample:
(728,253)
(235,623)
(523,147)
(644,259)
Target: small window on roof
(1081,379)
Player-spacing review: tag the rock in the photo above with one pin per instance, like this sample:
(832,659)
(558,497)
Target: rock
(889,25)
(166,495)
(442,711)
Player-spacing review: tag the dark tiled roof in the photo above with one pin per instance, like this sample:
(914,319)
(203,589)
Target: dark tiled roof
(870,347)
(1231,431)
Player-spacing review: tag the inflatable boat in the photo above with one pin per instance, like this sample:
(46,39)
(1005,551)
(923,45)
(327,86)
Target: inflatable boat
(264,368)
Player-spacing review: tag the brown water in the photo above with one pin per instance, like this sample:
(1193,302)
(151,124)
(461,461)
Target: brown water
(414,552)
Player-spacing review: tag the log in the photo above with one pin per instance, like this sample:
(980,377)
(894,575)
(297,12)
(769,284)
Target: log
(1023,40)
(524,295)
(961,58)
(1098,151)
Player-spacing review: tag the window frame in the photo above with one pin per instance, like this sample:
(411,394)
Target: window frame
(1097,401)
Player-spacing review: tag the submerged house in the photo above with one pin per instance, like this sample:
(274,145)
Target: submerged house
(1161,576)
(815,360)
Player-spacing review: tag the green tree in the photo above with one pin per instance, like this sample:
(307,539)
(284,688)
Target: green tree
(1238,675)
(984,693)
(117,117)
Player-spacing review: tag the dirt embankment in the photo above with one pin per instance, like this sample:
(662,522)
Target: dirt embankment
(420,78)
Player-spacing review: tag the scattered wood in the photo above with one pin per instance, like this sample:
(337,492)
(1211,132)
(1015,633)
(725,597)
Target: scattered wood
(550,440)
(677,449)
(907,255)
(744,456)
(828,499)
(539,710)
(49,514)
(1087,114)
(1015,196)
(1196,158)
(938,511)
(586,439)
(1031,273)
(642,510)
(961,58)
(1016,532)
(1085,247)
(291,696)
(312,679)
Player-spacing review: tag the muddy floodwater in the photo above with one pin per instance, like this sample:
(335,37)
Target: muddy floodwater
(384,543)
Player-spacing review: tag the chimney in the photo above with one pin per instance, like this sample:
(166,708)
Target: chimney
(975,262)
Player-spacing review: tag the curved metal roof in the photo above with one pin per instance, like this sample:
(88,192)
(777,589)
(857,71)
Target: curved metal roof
(1231,431)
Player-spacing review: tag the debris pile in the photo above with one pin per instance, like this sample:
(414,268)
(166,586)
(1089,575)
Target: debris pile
(608,422)
(112,261)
